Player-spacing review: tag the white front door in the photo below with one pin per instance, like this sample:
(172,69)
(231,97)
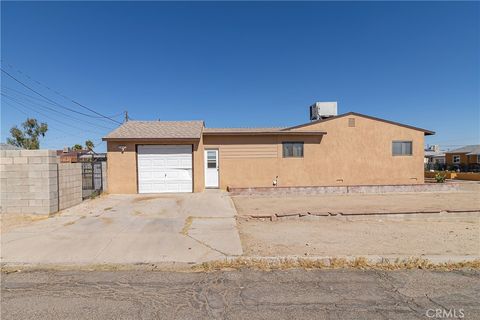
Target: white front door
(211,168)
(164,168)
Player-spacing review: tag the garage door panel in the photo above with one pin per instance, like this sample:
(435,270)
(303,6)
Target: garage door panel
(152,188)
(177,186)
(181,175)
(163,168)
(157,162)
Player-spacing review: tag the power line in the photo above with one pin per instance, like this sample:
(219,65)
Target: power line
(54,110)
(56,103)
(46,101)
(54,91)
(56,120)
(49,126)
(49,139)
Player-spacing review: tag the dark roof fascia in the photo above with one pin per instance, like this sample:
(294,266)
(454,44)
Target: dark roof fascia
(427,132)
(457,152)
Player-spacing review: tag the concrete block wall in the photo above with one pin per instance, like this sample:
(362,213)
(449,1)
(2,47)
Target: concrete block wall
(104,177)
(28,181)
(33,182)
(69,184)
(316,190)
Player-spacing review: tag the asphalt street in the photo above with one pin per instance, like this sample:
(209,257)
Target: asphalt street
(245,294)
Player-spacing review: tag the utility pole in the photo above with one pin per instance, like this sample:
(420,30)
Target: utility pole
(126,116)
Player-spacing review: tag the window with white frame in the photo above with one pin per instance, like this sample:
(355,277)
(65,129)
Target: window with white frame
(456,159)
(402,148)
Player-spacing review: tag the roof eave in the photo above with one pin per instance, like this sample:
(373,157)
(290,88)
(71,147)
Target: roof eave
(266,133)
(149,139)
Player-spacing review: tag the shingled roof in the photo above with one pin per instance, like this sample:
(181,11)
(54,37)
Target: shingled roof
(472,149)
(157,130)
(252,130)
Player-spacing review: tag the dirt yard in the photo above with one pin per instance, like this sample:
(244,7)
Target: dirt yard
(466,199)
(330,236)
(438,234)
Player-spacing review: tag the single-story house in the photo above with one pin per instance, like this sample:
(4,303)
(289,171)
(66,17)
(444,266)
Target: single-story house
(464,156)
(434,157)
(339,150)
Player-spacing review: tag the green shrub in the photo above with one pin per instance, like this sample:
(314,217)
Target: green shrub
(440,177)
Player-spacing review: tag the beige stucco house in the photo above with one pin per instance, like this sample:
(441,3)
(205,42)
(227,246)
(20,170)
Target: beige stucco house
(186,156)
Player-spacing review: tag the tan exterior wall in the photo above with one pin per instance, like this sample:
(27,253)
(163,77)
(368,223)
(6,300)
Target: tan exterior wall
(449,158)
(464,158)
(359,155)
(122,167)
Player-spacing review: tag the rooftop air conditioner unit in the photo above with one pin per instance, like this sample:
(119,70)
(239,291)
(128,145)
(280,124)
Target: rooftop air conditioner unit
(322,110)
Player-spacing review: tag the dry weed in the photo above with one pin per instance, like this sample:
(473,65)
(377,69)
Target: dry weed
(332,263)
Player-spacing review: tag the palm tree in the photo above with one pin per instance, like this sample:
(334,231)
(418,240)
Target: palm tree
(89,144)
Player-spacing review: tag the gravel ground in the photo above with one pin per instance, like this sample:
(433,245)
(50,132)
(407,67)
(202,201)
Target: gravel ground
(331,236)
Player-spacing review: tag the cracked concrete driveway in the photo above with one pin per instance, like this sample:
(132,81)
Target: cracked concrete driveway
(187,228)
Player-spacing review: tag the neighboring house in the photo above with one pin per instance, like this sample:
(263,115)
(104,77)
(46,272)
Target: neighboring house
(434,158)
(184,156)
(91,156)
(67,155)
(464,158)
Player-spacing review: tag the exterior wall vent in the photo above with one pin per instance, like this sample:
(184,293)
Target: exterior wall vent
(351,122)
(323,110)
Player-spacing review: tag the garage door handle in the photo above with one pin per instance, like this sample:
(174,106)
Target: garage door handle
(165,175)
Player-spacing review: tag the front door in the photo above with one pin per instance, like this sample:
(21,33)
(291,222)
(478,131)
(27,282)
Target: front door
(211,168)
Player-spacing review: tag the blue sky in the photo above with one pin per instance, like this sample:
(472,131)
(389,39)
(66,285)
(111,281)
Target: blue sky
(241,63)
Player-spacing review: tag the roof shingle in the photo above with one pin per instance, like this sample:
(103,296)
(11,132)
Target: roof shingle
(157,130)
(253,130)
(472,149)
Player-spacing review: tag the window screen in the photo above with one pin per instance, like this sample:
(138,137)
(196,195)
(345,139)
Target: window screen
(402,148)
(211,159)
(293,149)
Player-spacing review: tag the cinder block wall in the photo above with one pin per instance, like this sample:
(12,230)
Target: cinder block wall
(28,181)
(104,177)
(69,184)
(33,182)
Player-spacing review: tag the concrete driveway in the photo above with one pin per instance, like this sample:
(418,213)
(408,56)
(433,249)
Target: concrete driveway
(188,228)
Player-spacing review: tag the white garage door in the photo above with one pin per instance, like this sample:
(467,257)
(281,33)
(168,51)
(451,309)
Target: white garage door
(164,168)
